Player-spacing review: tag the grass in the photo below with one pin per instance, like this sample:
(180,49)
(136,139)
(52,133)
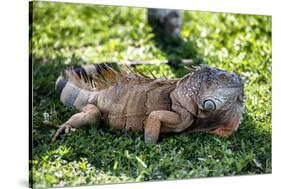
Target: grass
(71,34)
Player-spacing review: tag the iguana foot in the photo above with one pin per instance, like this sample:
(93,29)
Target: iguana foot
(153,124)
(90,115)
(150,139)
(65,127)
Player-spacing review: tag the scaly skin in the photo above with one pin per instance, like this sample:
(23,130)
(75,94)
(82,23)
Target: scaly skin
(208,100)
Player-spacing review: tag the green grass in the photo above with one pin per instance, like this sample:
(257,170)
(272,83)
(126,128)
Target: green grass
(71,34)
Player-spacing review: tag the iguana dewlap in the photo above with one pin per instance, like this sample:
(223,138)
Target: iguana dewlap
(208,99)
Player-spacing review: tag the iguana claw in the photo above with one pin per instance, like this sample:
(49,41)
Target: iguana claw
(65,127)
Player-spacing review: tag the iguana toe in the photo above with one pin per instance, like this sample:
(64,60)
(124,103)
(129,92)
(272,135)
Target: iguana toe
(65,127)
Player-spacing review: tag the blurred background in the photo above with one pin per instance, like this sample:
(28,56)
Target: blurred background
(65,34)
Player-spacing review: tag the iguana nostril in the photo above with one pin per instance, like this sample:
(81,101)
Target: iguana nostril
(209,105)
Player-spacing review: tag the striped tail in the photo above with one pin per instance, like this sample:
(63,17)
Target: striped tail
(74,86)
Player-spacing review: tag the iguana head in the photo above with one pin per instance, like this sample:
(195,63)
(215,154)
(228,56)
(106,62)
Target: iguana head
(219,90)
(214,97)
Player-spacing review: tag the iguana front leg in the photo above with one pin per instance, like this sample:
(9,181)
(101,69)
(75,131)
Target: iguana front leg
(90,114)
(223,132)
(161,118)
(228,129)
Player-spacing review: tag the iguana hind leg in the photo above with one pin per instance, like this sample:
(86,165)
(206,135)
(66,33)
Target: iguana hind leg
(90,114)
(153,124)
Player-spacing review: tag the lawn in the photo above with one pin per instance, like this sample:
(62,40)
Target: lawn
(63,35)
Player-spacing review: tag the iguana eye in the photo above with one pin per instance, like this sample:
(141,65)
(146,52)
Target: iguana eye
(209,105)
(223,76)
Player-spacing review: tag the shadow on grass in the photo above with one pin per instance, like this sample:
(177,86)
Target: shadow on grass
(178,50)
(175,157)
(175,47)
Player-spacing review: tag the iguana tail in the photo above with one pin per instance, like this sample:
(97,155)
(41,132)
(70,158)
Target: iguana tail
(75,86)
(80,86)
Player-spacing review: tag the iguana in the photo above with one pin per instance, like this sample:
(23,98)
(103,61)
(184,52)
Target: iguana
(208,99)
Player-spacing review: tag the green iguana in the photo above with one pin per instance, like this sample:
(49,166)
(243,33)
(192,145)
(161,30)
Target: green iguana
(208,99)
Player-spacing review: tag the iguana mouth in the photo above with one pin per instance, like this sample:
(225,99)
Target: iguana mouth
(234,86)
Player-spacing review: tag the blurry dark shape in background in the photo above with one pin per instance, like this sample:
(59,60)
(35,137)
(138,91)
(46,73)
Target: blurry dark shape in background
(166,25)
(166,21)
